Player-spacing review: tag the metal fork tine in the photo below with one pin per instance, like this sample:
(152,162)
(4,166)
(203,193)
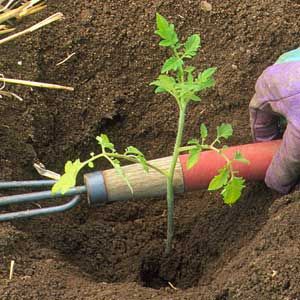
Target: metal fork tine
(41,211)
(39,196)
(25,184)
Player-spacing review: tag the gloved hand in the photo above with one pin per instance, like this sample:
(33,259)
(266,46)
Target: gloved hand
(277,93)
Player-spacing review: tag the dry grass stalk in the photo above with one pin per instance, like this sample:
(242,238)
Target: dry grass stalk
(6,30)
(28,8)
(10,95)
(11,270)
(17,9)
(51,19)
(36,84)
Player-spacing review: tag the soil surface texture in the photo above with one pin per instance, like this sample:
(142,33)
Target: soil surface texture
(248,251)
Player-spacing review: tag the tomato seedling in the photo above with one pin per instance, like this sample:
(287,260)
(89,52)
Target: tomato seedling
(180,81)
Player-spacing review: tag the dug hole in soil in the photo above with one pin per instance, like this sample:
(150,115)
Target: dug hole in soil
(248,251)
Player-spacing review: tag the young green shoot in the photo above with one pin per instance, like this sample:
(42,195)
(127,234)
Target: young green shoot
(179,80)
(108,152)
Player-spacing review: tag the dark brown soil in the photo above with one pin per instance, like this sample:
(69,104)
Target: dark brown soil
(248,251)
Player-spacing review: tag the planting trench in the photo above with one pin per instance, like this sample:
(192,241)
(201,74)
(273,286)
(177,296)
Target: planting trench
(248,251)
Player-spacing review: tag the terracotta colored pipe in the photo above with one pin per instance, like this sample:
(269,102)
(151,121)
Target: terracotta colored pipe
(258,154)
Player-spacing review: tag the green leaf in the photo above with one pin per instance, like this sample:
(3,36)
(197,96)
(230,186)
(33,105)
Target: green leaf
(191,45)
(159,90)
(171,64)
(203,131)
(68,179)
(166,31)
(195,98)
(120,172)
(165,83)
(139,156)
(193,142)
(193,157)
(219,180)
(189,69)
(104,141)
(143,162)
(205,79)
(208,83)
(206,74)
(133,150)
(224,131)
(239,157)
(233,190)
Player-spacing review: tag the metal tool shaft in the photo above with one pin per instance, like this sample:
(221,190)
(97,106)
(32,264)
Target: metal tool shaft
(40,196)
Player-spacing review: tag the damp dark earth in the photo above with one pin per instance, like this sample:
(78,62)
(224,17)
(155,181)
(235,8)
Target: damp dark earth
(248,251)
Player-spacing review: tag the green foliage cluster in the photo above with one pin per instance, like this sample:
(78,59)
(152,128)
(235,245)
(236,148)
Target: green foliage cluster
(184,84)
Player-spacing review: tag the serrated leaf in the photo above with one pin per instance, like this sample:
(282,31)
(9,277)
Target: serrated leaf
(68,179)
(139,156)
(159,90)
(205,79)
(224,131)
(191,45)
(143,162)
(203,131)
(166,31)
(104,141)
(193,142)
(208,83)
(165,82)
(189,69)
(171,64)
(65,182)
(195,98)
(240,158)
(133,150)
(193,157)
(120,172)
(166,43)
(190,77)
(206,74)
(219,180)
(233,190)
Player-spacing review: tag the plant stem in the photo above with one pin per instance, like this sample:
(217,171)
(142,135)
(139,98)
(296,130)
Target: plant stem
(170,187)
(125,157)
